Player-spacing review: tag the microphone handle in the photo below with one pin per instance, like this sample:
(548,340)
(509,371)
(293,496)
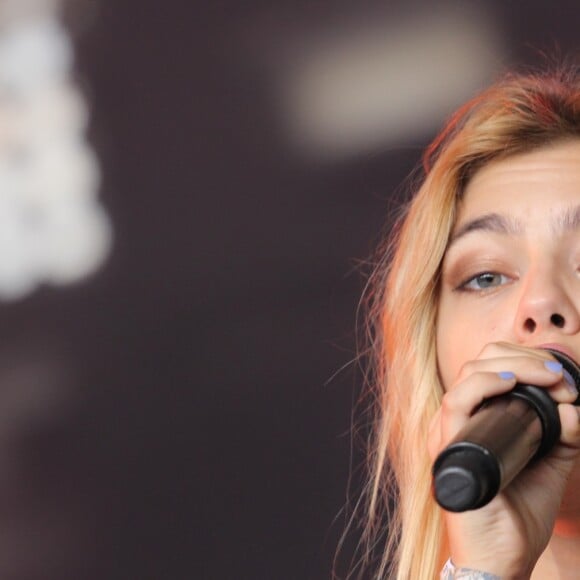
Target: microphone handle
(501,438)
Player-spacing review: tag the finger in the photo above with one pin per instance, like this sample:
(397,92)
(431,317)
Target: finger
(502,348)
(507,349)
(459,403)
(539,371)
(565,391)
(570,421)
(564,456)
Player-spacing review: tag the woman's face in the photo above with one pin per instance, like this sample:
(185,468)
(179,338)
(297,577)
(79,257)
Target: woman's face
(512,267)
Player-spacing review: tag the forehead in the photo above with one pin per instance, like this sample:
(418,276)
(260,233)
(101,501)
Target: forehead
(531,184)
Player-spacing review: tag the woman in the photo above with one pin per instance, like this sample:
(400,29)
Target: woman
(483,276)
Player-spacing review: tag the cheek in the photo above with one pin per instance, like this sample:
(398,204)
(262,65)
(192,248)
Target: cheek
(461,337)
(451,350)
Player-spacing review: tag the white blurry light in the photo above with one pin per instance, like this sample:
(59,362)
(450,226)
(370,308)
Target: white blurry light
(389,82)
(49,111)
(33,54)
(69,241)
(52,227)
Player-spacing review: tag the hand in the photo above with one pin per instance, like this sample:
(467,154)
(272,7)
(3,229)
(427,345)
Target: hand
(507,536)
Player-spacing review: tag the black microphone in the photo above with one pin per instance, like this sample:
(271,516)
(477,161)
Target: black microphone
(505,434)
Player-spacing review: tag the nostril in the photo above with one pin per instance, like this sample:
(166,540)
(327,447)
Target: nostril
(557,320)
(530,325)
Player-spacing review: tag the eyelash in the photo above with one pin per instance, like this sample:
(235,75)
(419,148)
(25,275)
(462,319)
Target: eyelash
(464,286)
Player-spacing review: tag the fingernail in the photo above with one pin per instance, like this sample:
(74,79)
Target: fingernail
(506,375)
(553,366)
(570,382)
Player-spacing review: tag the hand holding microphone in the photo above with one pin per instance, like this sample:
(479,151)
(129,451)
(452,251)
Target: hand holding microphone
(504,435)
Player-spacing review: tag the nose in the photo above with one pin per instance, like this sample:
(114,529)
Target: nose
(545,306)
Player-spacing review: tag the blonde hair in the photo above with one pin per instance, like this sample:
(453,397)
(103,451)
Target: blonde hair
(519,113)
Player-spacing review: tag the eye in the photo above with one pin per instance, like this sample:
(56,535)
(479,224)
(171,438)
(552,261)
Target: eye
(484,281)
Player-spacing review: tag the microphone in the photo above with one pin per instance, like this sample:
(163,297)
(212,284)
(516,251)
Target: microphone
(505,434)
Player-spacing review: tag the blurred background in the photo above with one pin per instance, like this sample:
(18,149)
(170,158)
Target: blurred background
(189,195)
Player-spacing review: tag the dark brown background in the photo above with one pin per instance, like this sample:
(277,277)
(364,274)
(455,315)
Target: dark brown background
(190,429)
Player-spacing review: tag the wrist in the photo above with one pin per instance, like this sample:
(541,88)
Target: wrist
(451,572)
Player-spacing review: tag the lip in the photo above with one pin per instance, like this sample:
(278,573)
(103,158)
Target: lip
(560,348)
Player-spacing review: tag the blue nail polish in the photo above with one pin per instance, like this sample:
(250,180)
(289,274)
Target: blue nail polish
(553,366)
(506,375)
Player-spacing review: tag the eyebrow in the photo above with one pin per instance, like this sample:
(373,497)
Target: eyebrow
(566,221)
(492,222)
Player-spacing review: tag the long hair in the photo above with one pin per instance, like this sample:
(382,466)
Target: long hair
(519,113)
